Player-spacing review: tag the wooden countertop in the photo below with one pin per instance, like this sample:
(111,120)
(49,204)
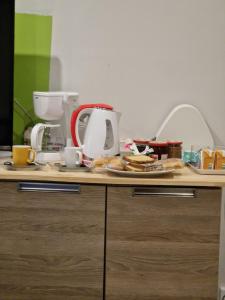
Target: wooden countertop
(184,177)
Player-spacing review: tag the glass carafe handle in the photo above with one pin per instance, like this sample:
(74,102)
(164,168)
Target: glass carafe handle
(37,136)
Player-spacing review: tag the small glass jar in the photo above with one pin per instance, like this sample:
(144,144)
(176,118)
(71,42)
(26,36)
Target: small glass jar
(160,149)
(175,149)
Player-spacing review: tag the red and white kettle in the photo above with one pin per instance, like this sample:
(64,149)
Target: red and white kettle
(95,128)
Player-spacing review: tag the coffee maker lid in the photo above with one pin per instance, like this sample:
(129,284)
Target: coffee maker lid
(55,94)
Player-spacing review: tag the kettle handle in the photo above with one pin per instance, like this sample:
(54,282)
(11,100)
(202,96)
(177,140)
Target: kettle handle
(76,116)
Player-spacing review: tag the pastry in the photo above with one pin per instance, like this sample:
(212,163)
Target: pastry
(139,159)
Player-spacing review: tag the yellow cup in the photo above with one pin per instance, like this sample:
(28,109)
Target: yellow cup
(23,155)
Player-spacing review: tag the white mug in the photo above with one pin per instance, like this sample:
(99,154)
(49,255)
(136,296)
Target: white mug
(73,156)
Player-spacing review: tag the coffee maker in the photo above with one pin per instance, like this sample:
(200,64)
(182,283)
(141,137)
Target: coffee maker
(49,139)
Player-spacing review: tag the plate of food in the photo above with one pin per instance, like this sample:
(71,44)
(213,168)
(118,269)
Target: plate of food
(140,174)
(137,166)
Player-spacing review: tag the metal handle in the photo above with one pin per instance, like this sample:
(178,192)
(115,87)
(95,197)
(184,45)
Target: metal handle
(48,187)
(164,192)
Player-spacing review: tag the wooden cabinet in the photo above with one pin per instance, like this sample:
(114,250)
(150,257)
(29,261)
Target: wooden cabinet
(162,243)
(51,241)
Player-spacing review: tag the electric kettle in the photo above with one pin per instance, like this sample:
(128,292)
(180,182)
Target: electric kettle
(95,128)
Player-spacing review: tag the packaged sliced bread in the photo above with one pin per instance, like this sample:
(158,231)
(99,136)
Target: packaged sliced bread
(207,159)
(219,160)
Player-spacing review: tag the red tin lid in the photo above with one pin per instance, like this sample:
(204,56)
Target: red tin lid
(158,144)
(175,143)
(141,141)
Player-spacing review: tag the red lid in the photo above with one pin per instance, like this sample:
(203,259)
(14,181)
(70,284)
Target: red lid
(175,143)
(158,144)
(140,141)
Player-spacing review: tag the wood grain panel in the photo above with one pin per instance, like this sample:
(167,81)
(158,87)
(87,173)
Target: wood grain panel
(52,244)
(183,177)
(162,248)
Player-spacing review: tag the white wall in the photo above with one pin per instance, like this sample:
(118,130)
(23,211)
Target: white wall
(35,6)
(142,56)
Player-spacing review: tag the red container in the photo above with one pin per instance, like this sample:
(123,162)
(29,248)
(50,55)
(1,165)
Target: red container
(160,149)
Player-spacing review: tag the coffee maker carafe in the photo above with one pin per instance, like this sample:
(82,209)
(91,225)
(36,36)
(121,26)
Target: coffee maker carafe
(48,141)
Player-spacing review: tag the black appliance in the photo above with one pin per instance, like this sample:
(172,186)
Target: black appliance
(7,15)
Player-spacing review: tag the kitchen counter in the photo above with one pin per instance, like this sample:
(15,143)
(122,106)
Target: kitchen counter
(184,177)
(58,242)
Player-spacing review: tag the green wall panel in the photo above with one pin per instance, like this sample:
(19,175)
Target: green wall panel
(33,35)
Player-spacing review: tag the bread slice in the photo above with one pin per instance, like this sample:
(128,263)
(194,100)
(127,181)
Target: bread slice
(173,163)
(116,164)
(143,168)
(133,169)
(101,161)
(139,159)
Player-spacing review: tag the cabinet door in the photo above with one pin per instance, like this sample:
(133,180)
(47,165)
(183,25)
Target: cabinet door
(162,243)
(51,241)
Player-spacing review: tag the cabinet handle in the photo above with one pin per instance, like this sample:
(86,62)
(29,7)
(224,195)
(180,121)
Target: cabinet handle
(48,187)
(164,192)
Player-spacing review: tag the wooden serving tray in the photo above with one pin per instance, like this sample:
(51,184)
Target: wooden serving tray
(207,172)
